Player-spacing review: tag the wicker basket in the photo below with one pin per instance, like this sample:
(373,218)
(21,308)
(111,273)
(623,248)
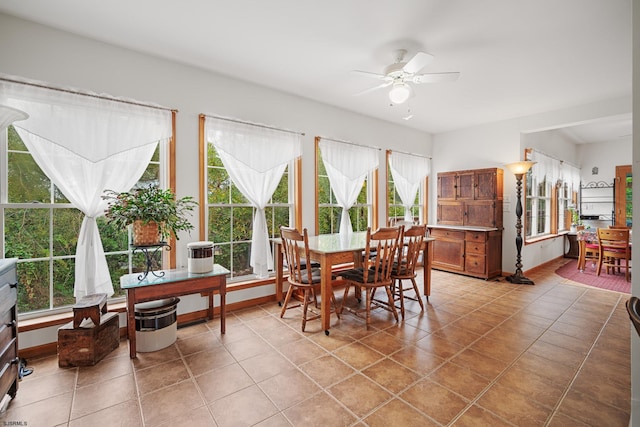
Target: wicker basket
(145,234)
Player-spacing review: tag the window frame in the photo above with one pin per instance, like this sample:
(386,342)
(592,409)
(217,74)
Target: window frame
(294,170)
(371,183)
(166,169)
(422,196)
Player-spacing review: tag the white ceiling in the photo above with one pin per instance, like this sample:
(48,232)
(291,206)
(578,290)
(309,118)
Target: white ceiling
(516,57)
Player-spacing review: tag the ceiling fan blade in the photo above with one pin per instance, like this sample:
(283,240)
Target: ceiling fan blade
(435,77)
(371,89)
(368,74)
(417,62)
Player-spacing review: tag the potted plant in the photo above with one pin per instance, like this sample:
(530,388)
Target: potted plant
(155,213)
(575,218)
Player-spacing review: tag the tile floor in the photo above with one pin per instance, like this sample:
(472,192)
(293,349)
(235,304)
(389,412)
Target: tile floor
(483,353)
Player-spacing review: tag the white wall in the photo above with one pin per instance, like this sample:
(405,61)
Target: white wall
(38,52)
(605,156)
(60,58)
(496,144)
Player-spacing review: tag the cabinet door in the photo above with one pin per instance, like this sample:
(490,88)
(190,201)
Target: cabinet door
(485,185)
(465,185)
(447,186)
(450,213)
(448,254)
(481,213)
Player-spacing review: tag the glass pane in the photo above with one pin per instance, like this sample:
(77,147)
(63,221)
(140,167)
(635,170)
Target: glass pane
(241,254)
(276,217)
(324,190)
(218,185)
(26,181)
(242,223)
(281,194)
(542,213)
(66,227)
(63,281)
(26,233)
(118,266)
(14,142)
(222,256)
(328,219)
(113,238)
(220,224)
(33,288)
(236,195)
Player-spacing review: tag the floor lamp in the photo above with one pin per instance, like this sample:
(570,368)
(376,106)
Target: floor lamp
(519,169)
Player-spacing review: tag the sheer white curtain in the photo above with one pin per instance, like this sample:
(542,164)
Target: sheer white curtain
(9,115)
(347,166)
(255,158)
(408,171)
(86,144)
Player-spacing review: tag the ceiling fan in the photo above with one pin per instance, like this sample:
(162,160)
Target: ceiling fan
(401,73)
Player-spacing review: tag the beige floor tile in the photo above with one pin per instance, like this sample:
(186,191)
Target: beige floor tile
(398,413)
(482,353)
(359,394)
(245,407)
(435,401)
(319,410)
(171,402)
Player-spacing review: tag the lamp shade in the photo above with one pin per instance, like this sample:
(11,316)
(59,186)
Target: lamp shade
(520,168)
(399,93)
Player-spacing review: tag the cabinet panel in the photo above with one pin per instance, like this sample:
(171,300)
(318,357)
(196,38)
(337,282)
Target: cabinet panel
(465,185)
(448,254)
(485,185)
(447,183)
(481,213)
(451,213)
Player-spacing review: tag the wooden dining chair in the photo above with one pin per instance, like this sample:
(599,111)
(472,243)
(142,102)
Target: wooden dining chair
(375,272)
(613,249)
(302,276)
(405,266)
(589,248)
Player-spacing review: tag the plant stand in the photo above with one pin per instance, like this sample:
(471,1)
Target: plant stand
(149,252)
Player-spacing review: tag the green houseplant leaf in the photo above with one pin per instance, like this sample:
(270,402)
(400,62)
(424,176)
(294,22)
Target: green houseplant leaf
(150,204)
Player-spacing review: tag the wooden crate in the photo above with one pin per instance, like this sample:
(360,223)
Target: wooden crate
(87,346)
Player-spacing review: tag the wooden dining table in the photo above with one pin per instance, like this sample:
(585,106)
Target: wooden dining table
(334,249)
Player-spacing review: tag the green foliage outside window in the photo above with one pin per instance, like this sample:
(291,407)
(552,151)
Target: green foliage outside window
(329,212)
(41,229)
(230,216)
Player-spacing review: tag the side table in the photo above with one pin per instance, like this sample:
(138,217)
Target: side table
(573,249)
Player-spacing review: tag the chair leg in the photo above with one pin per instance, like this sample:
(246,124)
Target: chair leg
(418,297)
(305,308)
(391,304)
(369,296)
(335,305)
(286,301)
(401,295)
(599,265)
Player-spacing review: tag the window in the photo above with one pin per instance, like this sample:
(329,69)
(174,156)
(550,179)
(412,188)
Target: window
(40,227)
(395,207)
(329,211)
(549,194)
(229,214)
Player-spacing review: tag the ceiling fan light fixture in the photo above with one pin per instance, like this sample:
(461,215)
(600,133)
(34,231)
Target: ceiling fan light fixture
(399,93)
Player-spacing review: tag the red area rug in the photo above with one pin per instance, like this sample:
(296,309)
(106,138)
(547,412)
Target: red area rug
(613,282)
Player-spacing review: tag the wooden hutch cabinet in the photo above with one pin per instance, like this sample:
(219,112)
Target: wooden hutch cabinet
(469,225)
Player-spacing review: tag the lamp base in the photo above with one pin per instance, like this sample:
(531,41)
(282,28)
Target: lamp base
(519,279)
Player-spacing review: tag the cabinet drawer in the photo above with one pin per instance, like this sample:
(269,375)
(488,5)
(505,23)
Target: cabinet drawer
(448,234)
(475,248)
(475,236)
(475,263)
